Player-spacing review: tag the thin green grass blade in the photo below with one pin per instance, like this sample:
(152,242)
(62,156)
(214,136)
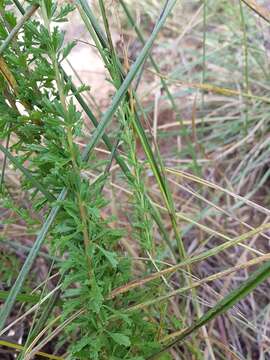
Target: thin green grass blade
(101,36)
(107,117)
(4,162)
(19,6)
(16,288)
(162,80)
(154,64)
(223,305)
(109,37)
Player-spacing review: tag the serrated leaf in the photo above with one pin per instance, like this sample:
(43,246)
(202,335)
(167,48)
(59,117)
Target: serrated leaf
(120,339)
(110,256)
(64,11)
(10,18)
(67,49)
(96,297)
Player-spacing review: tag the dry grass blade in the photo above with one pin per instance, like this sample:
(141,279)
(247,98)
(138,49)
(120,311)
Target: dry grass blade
(29,311)
(215,186)
(200,257)
(55,332)
(258,9)
(19,347)
(195,284)
(212,88)
(223,305)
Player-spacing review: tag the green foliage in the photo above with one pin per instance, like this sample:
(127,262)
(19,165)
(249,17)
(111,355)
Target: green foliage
(118,318)
(44,136)
(9,268)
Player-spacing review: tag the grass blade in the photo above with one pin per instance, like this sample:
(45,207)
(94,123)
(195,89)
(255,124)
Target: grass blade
(204,255)
(258,9)
(166,297)
(223,305)
(107,117)
(154,64)
(16,288)
(21,347)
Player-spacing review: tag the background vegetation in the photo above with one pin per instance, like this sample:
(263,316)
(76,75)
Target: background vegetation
(134,179)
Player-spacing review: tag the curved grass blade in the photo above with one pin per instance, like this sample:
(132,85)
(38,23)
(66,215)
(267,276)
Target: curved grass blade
(222,306)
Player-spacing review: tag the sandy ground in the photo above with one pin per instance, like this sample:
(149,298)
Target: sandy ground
(86,62)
